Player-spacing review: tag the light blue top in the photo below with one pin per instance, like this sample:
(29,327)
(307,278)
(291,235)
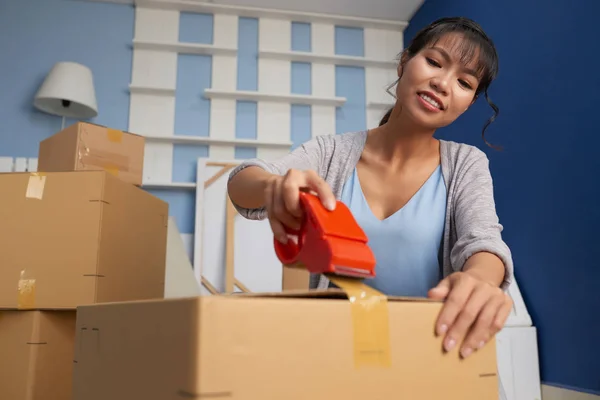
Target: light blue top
(407,243)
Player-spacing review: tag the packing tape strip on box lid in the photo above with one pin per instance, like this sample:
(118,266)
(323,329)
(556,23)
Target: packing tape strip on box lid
(26,291)
(108,161)
(36,185)
(370,320)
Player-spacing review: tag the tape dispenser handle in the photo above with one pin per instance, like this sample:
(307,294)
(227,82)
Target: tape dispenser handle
(288,253)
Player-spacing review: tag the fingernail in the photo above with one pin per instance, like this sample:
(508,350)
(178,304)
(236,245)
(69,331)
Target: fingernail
(283,239)
(481,344)
(331,205)
(450,343)
(466,352)
(443,329)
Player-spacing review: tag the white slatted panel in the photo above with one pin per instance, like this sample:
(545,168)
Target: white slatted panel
(19,164)
(380,44)
(154,114)
(323,79)
(224,76)
(273,119)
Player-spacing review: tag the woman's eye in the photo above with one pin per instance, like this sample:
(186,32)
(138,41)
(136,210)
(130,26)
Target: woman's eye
(433,62)
(465,84)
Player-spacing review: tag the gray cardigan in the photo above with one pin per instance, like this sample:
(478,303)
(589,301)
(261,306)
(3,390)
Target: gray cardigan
(471,222)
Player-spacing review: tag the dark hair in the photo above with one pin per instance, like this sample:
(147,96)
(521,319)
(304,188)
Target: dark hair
(474,39)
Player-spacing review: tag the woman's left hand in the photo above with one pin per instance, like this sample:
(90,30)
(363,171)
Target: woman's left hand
(473,312)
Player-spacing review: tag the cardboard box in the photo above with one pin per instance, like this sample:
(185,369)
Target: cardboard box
(294,278)
(37,354)
(89,147)
(73,238)
(252,347)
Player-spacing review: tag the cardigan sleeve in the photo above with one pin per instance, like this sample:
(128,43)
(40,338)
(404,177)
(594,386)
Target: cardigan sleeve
(307,156)
(477,225)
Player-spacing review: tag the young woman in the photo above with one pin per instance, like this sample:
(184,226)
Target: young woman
(426,205)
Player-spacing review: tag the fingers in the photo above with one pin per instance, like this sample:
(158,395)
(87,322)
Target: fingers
(316,183)
(291,185)
(484,327)
(460,319)
(276,226)
(441,291)
(456,300)
(503,314)
(282,199)
(280,208)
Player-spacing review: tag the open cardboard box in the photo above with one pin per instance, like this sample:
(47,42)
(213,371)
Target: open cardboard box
(292,345)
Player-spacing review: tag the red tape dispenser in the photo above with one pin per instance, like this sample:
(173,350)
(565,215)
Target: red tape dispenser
(328,242)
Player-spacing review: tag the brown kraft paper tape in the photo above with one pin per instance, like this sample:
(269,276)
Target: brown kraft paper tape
(35,186)
(25,291)
(370,320)
(114,135)
(110,162)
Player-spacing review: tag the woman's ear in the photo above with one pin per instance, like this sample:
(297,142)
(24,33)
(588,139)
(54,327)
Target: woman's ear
(403,60)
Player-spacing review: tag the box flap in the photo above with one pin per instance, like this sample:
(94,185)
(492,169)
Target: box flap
(331,293)
(106,127)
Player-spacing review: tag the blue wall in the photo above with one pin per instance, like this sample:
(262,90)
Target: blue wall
(35,34)
(546,179)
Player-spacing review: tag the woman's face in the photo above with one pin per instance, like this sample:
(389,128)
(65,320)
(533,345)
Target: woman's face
(434,87)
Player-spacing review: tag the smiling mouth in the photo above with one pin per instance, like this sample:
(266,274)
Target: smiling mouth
(434,102)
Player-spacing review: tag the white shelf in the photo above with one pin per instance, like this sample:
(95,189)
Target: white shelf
(288,98)
(151,90)
(380,104)
(169,185)
(255,12)
(184,48)
(327,58)
(202,140)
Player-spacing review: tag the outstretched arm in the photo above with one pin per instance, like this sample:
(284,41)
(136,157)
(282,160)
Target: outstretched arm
(476,305)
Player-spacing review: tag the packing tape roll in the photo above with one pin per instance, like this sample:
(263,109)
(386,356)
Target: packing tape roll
(370,320)
(25,292)
(114,135)
(35,186)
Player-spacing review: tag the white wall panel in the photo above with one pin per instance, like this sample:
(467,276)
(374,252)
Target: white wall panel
(224,76)
(156,25)
(155,69)
(274,76)
(383,44)
(154,115)
(380,44)
(323,79)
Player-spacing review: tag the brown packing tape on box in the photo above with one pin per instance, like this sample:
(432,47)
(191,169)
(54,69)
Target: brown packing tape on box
(114,135)
(26,291)
(110,162)
(36,185)
(370,320)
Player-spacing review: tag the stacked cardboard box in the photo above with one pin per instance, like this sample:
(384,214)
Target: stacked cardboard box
(76,232)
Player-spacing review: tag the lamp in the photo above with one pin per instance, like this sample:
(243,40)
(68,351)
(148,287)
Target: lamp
(68,91)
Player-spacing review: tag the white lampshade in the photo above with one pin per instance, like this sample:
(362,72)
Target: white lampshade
(68,91)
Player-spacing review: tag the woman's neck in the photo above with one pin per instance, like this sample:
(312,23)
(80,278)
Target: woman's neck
(399,142)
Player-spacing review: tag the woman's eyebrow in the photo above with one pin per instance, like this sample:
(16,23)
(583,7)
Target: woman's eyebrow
(446,56)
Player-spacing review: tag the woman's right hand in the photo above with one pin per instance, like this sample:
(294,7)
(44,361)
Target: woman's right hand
(282,199)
